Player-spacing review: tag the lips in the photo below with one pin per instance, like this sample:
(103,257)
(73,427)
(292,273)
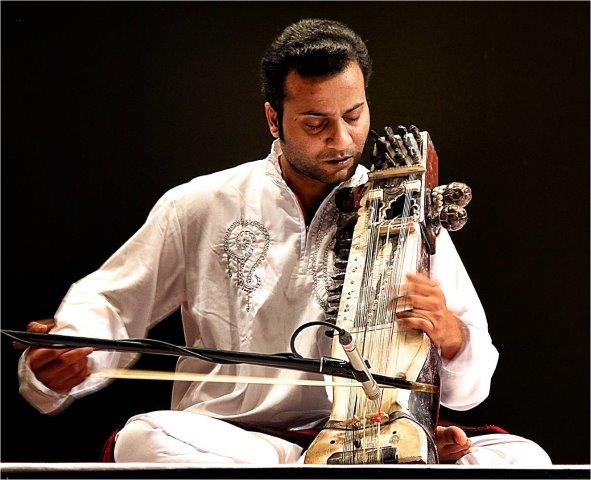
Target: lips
(339,161)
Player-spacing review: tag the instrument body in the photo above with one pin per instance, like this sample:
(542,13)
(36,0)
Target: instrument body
(391,234)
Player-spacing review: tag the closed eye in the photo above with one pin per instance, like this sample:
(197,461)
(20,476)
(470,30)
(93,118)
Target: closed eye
(352,119)
(314,127)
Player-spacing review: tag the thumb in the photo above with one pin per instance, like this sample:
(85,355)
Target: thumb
(41,326)
(36,326)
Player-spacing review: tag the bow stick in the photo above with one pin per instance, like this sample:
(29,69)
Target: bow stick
(324,365)
(123,373)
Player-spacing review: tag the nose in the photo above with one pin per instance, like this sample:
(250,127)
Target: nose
(340,137)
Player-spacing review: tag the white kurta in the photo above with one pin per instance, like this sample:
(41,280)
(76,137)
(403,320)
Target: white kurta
(233,251)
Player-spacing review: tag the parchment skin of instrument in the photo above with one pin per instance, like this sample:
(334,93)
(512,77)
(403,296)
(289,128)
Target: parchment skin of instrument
(386,229)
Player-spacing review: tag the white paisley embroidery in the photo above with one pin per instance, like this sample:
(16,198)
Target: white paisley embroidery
(246,244)
(319,263)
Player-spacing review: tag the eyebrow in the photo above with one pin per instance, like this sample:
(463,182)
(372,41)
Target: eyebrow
(316,113)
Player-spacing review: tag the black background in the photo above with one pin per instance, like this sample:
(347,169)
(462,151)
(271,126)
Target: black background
(105,106)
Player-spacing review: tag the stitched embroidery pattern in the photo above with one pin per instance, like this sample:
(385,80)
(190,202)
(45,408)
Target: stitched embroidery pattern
(319,263)
(246,244)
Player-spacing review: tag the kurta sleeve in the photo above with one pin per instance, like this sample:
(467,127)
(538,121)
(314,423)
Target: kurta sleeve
(465,379)
(142,283)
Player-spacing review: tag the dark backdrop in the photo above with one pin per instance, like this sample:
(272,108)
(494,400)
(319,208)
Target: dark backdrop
(106,106)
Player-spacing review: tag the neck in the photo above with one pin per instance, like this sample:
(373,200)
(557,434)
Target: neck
(309,192)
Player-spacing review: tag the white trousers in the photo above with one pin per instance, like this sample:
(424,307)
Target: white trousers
(186,437)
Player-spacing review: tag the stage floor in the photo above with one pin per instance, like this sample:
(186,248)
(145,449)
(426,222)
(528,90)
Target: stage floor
(308,472)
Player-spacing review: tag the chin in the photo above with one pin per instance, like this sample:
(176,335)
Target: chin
(347,173)
(341,176)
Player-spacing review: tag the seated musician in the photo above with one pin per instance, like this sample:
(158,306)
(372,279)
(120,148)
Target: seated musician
(240,252)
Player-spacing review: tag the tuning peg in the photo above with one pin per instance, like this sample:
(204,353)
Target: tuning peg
(397,147)
(412,151)
(382,155)
(453,217)
(417,134)
(336,288)
(340,263)
(375,135)
(334,300)
(338,276)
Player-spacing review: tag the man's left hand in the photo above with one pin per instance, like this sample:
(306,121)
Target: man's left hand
(430,314)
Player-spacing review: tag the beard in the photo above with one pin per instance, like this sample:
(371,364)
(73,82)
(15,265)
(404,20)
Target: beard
(320,168)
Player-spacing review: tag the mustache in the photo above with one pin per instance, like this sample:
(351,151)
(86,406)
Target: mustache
(339,156)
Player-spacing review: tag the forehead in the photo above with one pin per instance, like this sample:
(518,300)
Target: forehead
(326,92)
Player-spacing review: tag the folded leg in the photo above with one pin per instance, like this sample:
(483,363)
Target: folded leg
(181,436)
(504,449)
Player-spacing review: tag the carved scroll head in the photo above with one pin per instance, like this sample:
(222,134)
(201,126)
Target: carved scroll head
(457,193)
(447,205)
(453,217)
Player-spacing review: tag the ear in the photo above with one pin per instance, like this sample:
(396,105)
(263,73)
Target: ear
(272,120)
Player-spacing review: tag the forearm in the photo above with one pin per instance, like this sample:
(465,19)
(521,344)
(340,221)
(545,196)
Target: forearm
(466,378)
(135,288)
(95,319)
(466,375)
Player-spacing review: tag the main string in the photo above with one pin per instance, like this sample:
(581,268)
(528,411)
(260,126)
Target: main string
(357,408)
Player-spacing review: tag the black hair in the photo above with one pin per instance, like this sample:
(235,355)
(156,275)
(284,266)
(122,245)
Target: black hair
(313,48)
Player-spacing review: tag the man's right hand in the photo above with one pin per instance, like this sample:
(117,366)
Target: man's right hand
(58,369)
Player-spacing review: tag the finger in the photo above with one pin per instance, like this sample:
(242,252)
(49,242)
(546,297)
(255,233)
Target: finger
(18,345)
(424,314)
(430,304)
(421,278)
(414,302)
(423,289)
(40,357)
(36,326)
(426,326)
(55,374)
(66,384)
(60,370)
(71,356)
(70,359)
(41,326)
(417,312)
(401,301)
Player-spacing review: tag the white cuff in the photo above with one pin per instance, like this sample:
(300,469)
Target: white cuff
(36,393)
(465,379)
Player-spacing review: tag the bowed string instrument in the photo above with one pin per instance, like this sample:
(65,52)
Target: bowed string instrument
(386,229)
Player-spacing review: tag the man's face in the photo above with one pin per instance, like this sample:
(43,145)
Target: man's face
(325,124)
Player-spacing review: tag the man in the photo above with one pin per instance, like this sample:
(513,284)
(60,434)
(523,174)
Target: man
(240,252)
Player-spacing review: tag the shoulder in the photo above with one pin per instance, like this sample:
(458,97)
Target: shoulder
(205,190)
